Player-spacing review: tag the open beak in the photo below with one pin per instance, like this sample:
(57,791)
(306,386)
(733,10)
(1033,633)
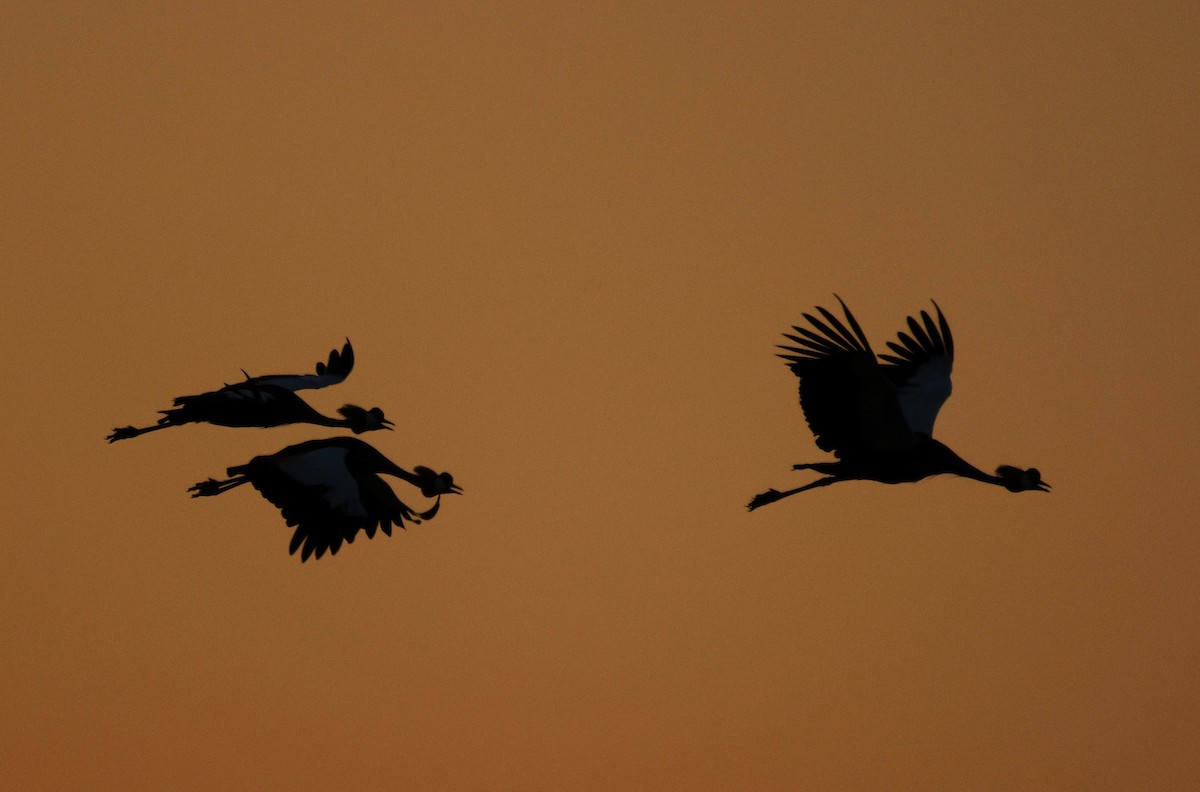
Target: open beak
(455,489)
(1043,486)
(387,424)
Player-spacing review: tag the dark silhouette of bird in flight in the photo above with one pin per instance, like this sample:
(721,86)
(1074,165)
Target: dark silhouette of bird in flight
(877,417)
(331,489)
(268,401)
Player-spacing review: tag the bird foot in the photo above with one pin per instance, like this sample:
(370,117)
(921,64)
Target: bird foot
(204,488)
(122,433)
(763,498)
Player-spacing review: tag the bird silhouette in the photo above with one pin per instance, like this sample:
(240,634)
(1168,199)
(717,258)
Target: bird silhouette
(877,417)
(330,490)
(267,401)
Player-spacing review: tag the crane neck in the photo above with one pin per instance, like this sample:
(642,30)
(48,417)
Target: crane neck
(390,468)
(401,473)
(961,467)
(970,471)
(326,420)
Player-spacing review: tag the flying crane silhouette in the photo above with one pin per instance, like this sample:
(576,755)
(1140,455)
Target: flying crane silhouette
(267,401)
(330,490)
(877,418)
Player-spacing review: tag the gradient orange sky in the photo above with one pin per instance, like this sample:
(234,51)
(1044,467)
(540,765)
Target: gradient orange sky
(564,239)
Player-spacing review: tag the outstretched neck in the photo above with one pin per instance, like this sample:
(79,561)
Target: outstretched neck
(961,467)
(326,420)
(387,467)
(401,473)
(970,471)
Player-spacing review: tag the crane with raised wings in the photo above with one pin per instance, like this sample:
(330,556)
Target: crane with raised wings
(876,415)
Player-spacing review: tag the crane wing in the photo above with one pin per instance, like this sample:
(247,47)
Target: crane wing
(259,394)
(851,407)
(920,369)
(317,493)
(331,373)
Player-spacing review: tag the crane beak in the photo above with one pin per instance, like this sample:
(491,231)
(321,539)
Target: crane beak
(455,489)
(386,424)
(1043,487)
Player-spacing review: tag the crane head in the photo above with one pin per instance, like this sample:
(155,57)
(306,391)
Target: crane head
(1018,480)
(360,420)
(433,484)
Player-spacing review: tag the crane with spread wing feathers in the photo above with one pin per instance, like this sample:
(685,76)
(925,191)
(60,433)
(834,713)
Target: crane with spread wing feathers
(877,417)
(330,489)
(266,401)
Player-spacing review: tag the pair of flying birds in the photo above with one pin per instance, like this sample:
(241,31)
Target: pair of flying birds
(874,413)
(328,489)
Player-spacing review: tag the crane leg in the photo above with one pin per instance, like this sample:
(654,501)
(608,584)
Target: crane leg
(828,468)
(772,495)
(213,487)
(126,432)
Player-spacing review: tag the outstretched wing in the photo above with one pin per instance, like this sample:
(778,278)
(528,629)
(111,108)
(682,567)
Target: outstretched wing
(851,407)
(920,369)
(236,405)
(245,394)
(331,373)
(317,494)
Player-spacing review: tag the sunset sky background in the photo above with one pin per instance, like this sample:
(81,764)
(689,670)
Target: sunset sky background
(564,238)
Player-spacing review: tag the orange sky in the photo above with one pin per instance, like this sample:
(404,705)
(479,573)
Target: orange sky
(564,239)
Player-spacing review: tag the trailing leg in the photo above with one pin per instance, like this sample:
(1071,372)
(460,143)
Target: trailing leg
(213,487)
(126,432)
(828,468)
(772,495)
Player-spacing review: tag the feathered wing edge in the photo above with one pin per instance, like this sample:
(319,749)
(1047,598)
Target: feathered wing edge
(398,513)
(926,341)
(340,363)
(837,338)
(320,529)
(920,369)
(850,405)
(335,370)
